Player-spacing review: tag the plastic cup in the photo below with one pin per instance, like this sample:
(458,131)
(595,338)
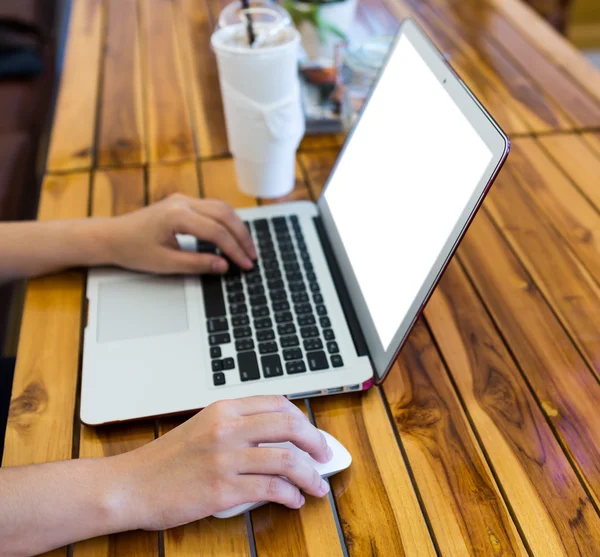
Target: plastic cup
(263,110)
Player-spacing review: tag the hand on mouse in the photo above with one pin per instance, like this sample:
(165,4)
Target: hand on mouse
(145,239)
(212,463)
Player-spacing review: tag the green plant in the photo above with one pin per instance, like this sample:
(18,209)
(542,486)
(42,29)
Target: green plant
(310,12)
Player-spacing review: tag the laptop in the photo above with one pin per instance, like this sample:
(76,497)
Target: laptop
(338,284)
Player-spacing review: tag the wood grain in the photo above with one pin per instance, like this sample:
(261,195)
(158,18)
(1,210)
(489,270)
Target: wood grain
(553,45)
(466,510)
(40,422)
(565,389)
(121,133)
(532,102)
(560,276)
(117,192)
(518,441)
(593,141)
(72,139)
(208,537)
(377,505)
(168,116)
(480,20)
(194,29)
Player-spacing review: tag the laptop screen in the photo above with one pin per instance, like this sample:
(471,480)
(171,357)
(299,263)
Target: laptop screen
(406,176)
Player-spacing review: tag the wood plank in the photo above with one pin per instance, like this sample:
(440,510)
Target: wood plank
(377,505)
(553,45)
(593,141)
(568,287)
(40,422)
(194,29)
(168,116)
(116,192)
(466,510)
(532,102)
(512,429)
(121,133)
(211,536)
(280,531)
(486,24)
(578,158)
(560,378)
(72,139)
(514,116)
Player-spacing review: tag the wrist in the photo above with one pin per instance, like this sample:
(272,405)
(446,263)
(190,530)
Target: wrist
(97,241)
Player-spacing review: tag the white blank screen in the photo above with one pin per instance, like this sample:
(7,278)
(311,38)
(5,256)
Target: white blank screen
(406,175)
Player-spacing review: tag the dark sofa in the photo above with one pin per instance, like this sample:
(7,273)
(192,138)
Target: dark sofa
(28,54)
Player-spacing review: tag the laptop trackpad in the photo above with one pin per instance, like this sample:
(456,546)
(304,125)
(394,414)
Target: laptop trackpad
(143,307)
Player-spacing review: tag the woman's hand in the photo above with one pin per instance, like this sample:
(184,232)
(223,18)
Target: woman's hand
(145,240)
(212,463)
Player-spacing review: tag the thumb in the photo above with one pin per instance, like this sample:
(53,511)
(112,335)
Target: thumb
(185,262)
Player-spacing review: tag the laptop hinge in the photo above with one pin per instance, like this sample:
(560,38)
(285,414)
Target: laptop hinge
(338,279)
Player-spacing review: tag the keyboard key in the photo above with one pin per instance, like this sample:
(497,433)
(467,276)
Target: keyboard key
(286,329)
(265,246)
(215,351)
(212,291)
(313,344)
(286,246)
(325,322)
(332,347)
(328,334)
(295,367)
(304,256)
(217,325)
(311,277)
(254,279)
(217,365)
(321,310)
(272,366)
(279,222)
(317,360)
(258,300)
(288,341)
(256,290)
(248,366)
(275,284)
(263,323)
(278,295)
(273,275)
(205,247)
(317,298)
(234,287)
(228,363)
(218,379)
(281,306)
(240,320)
(236,309)
(261,224)
(266,254)
(260,311)
(219,338)
(244,344)
(294,220)
(230,280)
(297,287)
(300,242)
(289,256)
(306,319)
(242,332)
(265,334)
(308,332)
(299,297)
(336,361)
(271,264)
(314,287)
(302,308)
(294,277)
(283,317)
(291,267)
(292,354)
(308,266)
(236,298)
(267,347)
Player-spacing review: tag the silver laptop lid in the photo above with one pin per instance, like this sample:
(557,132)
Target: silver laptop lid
(410,178)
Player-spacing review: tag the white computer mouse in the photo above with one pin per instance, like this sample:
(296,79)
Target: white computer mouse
(340,461)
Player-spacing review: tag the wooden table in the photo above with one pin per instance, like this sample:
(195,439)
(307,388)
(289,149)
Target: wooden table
(485,439)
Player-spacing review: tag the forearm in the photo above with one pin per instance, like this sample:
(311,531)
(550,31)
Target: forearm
(46,506)
(36,248)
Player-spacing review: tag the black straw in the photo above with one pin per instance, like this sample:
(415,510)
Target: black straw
(249,26)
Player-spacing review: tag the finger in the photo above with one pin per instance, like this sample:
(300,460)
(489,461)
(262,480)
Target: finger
(187,221)
(262,404)
(226,216)
(292,464)
(280,427)
(269,488)
(182,262)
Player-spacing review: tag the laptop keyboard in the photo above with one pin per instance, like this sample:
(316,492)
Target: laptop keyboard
(274,315)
